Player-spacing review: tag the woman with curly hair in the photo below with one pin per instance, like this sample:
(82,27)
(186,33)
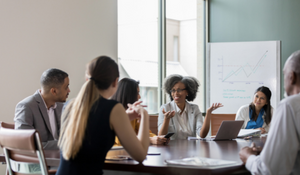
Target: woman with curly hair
(180,116)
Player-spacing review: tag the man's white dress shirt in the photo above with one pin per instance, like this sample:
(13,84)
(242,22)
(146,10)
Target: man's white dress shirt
(281,153)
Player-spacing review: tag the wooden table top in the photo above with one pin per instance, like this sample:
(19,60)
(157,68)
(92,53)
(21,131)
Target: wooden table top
(177,149)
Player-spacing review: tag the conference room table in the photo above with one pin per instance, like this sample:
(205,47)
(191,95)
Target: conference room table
(176,149)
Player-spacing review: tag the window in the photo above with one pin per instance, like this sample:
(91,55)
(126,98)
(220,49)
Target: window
(175,49)
(138,44)
(138,48)
(181,34)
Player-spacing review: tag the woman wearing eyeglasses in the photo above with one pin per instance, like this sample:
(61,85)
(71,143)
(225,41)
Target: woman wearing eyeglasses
(180,116)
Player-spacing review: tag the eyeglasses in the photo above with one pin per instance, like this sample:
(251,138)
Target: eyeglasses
(178,90)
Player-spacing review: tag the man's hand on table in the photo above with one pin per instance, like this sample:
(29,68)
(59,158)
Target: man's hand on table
(248,151)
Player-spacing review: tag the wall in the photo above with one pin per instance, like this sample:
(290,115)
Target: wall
(256,20)
(37,35)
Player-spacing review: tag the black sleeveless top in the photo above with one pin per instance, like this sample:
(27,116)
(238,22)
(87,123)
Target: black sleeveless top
(98,139)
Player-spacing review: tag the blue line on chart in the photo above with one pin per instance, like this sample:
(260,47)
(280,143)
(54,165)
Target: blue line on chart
(242,68)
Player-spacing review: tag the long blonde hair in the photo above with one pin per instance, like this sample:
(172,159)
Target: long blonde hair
(103,71)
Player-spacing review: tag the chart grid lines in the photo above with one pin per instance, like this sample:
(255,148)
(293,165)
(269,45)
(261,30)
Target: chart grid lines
(242,68)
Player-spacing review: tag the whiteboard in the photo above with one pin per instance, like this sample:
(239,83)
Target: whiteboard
(237,69)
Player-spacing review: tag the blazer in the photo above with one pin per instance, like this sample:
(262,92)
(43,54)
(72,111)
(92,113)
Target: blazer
(31,113)
(243,114)
(194,117)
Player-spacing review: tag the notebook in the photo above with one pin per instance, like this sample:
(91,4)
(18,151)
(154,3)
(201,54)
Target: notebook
(249,132)
(201,162)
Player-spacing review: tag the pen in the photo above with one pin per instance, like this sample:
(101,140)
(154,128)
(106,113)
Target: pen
(153,153)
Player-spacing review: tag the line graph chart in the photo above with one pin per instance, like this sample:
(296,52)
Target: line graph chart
(247,69)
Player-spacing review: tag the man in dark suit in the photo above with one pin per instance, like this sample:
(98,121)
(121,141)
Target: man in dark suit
(42,110)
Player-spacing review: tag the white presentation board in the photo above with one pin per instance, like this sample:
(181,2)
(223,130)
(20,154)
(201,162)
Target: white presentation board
(237,69)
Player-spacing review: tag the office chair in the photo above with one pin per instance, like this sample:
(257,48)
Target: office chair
(7,125)
(24,152)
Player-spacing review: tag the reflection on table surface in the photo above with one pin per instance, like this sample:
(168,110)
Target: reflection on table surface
(177,149)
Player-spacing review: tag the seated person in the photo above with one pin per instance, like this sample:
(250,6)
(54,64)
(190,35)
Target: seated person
(180,116)
(129,92)
(42,110)
(281,152)
(258,114)
(92,120)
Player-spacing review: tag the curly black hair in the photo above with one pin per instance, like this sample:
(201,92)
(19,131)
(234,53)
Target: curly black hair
(191,85)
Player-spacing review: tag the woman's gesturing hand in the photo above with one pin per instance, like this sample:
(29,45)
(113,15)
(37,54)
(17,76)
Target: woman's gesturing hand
(214,106)
(135,110)
(169,114)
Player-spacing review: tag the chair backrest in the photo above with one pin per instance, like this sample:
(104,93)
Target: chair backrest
(153,124)
(23,151)
(7,125)
(216,120)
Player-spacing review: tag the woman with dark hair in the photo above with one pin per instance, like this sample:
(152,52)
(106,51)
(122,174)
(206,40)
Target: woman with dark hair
(129,92)
(179,116)
(91,122)
(258,114)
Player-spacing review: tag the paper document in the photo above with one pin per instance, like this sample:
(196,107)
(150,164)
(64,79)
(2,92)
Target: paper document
(199,138)
(193,138)
(264,135)
(201,162)
(249,132)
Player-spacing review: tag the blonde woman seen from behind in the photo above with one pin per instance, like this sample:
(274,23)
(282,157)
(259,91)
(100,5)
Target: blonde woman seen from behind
(91,122)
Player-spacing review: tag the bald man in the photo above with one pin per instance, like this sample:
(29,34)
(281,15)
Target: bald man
(281,153)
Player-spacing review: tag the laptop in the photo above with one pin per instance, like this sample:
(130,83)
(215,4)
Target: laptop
(228,130)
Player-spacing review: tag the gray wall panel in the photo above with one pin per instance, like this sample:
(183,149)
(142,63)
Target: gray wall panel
(256,20)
